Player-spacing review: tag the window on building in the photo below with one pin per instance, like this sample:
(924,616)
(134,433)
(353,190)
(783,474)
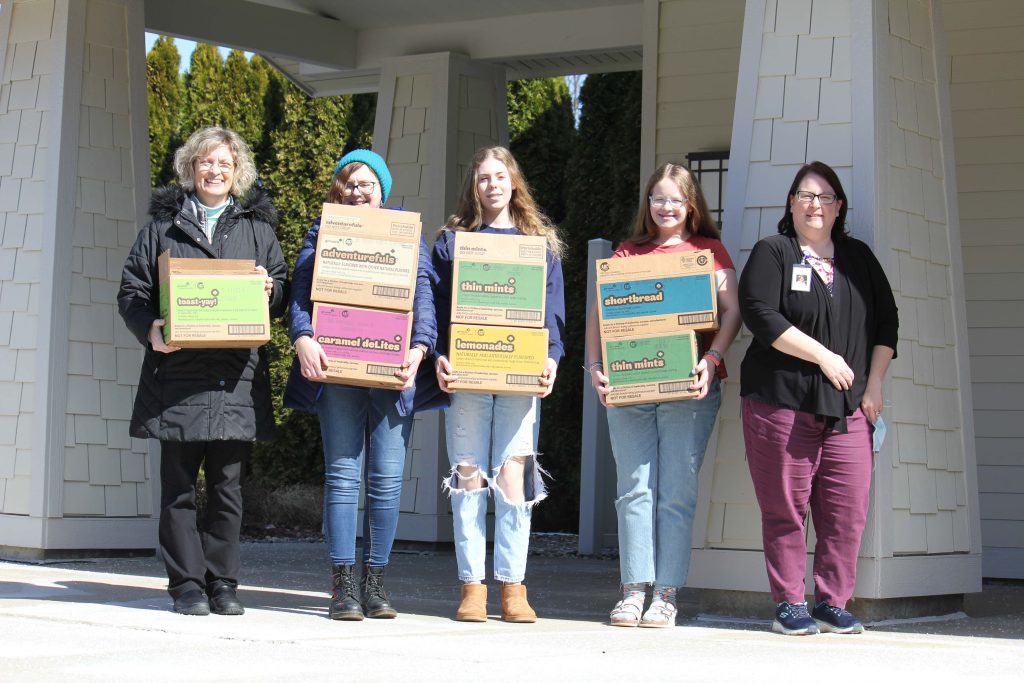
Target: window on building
(711,170)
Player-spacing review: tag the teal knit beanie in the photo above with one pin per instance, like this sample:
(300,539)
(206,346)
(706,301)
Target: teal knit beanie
(377,165)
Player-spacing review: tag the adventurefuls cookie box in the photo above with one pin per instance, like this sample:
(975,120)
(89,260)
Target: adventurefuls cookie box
(366,257)
(212,303)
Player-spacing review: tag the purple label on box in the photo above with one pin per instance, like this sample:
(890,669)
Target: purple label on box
(361,334)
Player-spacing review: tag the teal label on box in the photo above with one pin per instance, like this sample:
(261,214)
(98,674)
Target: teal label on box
(655,297)
(651,359)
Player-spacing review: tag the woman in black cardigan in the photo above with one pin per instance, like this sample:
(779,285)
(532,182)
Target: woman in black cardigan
(825,325)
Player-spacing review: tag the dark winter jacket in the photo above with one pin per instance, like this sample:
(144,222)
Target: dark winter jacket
(302,394)
(200,394)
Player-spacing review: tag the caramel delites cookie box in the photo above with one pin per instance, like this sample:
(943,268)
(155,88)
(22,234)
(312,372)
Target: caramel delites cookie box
(364,346)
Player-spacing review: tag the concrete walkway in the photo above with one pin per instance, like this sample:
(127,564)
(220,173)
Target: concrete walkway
(110,620)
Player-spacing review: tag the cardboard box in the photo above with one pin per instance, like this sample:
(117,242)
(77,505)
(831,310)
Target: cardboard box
(498,360)
(212,303)
(650,369)
(366,257)
(499,279)
(657,293)
(364,346)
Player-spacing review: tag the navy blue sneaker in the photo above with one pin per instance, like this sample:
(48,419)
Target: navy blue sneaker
(835,619)
(792,619)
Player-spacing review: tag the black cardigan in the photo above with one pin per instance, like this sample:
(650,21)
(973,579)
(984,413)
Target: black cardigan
(860,315)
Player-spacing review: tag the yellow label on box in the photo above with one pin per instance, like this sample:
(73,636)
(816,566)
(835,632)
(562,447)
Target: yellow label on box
(498,360)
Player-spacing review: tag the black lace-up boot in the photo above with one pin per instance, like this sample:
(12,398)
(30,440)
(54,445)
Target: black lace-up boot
(344,601)
(375,600)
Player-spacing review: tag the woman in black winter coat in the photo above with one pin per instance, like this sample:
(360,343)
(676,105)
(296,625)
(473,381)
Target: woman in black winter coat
(206,406)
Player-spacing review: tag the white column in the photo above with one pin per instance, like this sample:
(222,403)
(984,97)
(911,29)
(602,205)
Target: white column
(73,177)
(855,85)
(433,112)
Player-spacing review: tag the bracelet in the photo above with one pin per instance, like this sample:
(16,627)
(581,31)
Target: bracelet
(593,366)
(422,347)
(715,356)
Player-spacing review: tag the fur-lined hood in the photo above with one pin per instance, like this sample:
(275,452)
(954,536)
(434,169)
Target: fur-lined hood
(166,202)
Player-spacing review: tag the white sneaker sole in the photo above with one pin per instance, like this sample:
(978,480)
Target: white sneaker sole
(777,627)
(826,627)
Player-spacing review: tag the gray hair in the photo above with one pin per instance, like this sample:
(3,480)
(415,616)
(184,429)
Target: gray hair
(204,141)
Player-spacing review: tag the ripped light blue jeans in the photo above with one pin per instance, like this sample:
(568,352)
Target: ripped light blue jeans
(483,431)
(658,450)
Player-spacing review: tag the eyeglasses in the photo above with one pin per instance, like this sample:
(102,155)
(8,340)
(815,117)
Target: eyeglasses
(364,187)
(805,197)
(222,166)
(665,202)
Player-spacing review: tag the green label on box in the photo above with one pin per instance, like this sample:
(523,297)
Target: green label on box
(214,300)
(500,285)
(649,359)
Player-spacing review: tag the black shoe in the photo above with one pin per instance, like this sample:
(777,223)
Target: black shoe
(835,619)
(792,619)
(192,603)
(223,600)
(344,603)
(375,600)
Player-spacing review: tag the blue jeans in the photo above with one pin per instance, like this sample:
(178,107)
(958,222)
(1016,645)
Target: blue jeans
(483,431)
(349,417)
(658,450)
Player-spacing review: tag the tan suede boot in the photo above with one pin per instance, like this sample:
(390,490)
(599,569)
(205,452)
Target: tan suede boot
(474,603)
(514,606)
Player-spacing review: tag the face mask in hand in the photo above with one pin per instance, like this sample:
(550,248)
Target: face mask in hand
(878,438)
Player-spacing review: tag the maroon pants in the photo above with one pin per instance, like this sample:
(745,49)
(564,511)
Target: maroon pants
(794,461)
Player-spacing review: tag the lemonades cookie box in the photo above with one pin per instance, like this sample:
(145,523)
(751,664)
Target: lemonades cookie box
(364,346)
(657,293)
(212,303)
(366,257)
(497,360)
(499,279)
(650,369)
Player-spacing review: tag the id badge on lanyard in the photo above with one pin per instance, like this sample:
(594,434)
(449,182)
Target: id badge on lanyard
(801,278)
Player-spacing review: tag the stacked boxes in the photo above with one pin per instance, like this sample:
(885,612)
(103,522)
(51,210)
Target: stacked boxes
(364,280)
(212,303)
(498,343)
(649,311)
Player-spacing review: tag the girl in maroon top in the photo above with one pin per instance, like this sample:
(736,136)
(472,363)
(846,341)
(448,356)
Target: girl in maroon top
(659,447)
